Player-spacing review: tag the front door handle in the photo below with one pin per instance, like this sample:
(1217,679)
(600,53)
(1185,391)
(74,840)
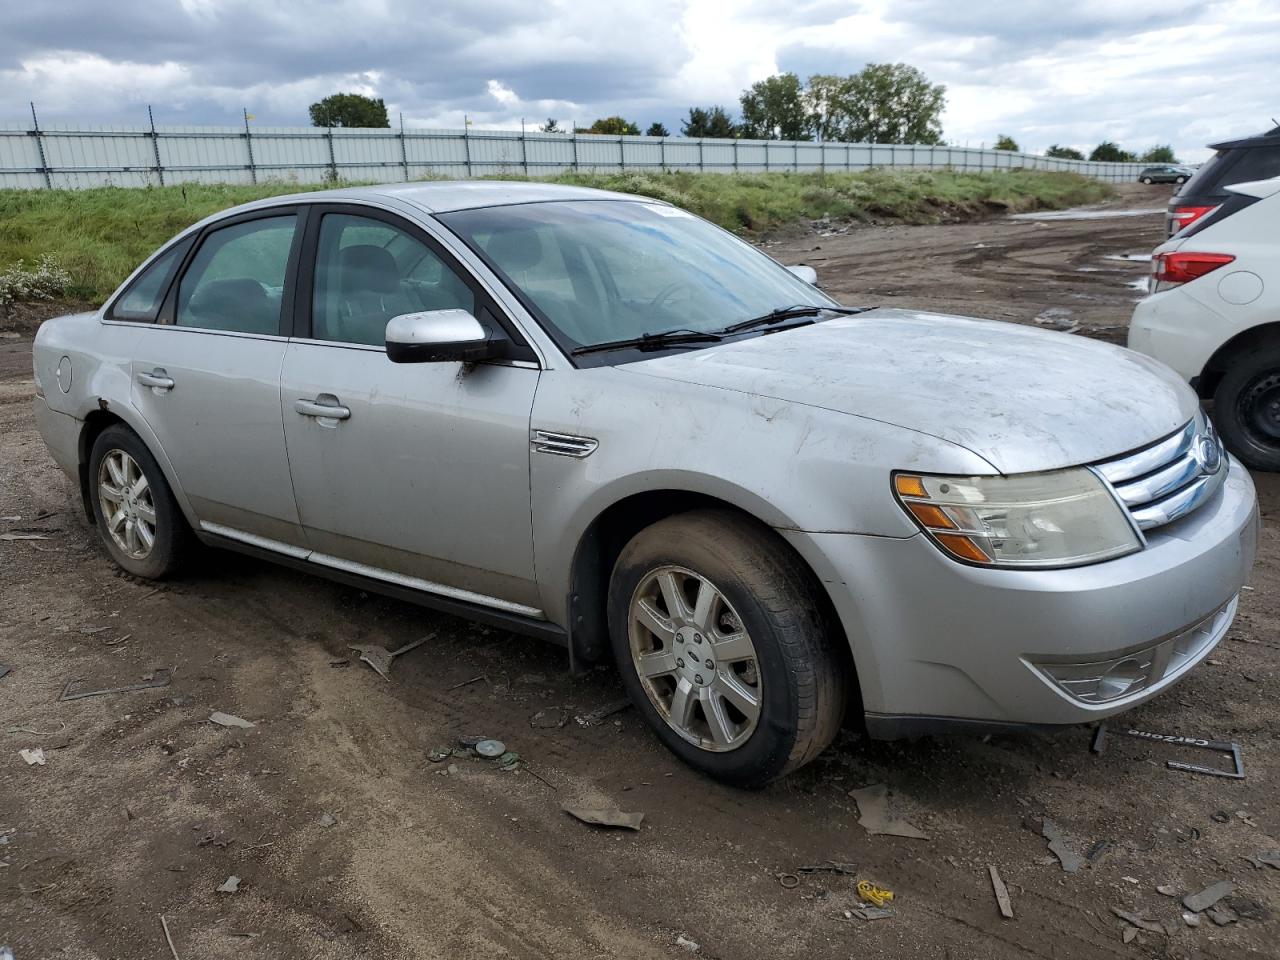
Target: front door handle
(157,379)
(323,407)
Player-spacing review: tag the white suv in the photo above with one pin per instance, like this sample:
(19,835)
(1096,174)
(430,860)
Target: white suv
(1214,316)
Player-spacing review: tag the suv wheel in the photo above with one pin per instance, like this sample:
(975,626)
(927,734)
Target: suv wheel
(1146,180)
(1180,180)
(723,648)
(1246,408)
(137,516)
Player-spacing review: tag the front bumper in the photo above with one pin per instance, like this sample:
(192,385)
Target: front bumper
(937,642)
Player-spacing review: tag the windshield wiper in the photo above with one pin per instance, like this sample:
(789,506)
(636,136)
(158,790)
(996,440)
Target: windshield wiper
(651,341)
(787,313)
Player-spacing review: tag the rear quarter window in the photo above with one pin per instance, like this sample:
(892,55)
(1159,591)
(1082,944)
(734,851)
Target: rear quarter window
(141,302)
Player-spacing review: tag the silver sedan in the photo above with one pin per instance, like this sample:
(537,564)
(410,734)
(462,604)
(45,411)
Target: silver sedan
(598,419)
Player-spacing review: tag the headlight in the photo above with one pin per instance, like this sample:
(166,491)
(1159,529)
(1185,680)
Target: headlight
(1065,518)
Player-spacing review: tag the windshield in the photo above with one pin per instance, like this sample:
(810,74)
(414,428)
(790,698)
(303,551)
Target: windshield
(598,271)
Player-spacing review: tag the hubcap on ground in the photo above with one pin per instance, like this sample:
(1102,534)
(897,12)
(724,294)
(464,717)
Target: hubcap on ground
(695,659)
(127,508)
(1260,408)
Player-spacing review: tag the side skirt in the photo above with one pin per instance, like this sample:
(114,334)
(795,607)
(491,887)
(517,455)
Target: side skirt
(458,608)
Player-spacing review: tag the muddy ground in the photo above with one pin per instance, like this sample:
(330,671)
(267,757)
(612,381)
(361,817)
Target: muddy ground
(144,807)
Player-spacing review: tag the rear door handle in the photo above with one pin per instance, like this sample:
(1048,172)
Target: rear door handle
(157,379)
(323,407)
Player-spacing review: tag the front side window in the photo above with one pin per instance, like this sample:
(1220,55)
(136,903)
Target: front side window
(141,302)
(599,271)
(236,279)
(368,271)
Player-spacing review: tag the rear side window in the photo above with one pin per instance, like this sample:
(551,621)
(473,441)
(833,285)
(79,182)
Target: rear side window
(1227,167)
(1205,179)
(236,279)
(141,302)
(1256,163)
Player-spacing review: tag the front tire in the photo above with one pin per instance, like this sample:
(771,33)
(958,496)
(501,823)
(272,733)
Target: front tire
(137,516)
(1246,408)
(722,645)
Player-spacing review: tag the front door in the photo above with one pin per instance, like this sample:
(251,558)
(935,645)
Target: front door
(206,379)
(416,473)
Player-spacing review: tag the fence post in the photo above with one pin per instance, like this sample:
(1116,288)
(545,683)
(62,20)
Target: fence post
(735,154)
(248,143)
(702,166)
(848,164)
(622,154)
(575,147)
(524,149)
(404,154)
(35,132)
(155,145)
(766,156)
(466,142)
(795,156)
(333,163)
(662,154)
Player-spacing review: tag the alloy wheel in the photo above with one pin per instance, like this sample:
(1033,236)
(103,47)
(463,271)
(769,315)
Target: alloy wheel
(695,659)
(128,510)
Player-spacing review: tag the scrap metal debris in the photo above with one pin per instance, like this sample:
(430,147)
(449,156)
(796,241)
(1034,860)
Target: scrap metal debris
(1266,858)
(230,885)
(873,814)
(327,820)
(227,720)
(1138,923)
(466,683)
(1190,919)
(168,937)
(602,713)
(1206,898)
(34,757)
(4,671)
(491,749)
(160,678)
(831,866)
(1221,915)
(22,536)
(380,657)
(1218,746)
(1001,892)
(1069,859)
(869,913)
(605,817)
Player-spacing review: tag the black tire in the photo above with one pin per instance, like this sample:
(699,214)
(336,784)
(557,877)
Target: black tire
(1147,181)
(1180,180)
(173,541)
(804,682)
(1246,408)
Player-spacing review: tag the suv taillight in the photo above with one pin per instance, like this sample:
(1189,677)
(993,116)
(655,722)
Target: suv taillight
(1183,217)
(1171,269)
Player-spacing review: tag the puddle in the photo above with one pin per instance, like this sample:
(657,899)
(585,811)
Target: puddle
(1087,213)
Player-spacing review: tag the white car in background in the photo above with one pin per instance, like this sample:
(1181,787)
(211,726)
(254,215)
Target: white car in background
(1214,316)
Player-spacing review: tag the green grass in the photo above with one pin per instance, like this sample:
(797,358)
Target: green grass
(100,235)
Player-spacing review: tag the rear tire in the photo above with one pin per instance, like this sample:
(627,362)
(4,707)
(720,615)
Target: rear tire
(137,516)
(1147,181)
(717,614)
(1246,408)
(1180,180)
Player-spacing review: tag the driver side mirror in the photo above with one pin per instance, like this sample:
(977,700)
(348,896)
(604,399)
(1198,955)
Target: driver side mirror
(807,274)
(438,336)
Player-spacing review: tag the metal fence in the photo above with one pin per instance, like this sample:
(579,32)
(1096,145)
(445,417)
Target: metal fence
(65,156)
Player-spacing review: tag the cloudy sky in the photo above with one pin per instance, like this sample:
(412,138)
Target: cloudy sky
(1178,71)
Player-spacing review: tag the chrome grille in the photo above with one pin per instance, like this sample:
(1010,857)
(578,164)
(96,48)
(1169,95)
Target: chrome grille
(1171,478)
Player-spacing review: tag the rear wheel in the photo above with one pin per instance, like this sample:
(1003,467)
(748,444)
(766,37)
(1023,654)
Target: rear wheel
(1146,180)
(1246,408)
(1180,180)
(722,646)
(139,520)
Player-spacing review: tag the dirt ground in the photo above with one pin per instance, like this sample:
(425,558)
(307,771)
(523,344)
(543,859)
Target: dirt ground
(144,807)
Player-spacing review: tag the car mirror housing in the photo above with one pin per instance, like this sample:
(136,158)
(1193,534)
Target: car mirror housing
(807,274)
(438,336)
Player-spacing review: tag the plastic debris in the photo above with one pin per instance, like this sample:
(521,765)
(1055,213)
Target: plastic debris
(509,760)
(605,817)
(491,748)
(5,671)
(327,820)
(1069,859)
(1221,915)
(34,758)
(22,536)
(159,678)
(691,945)
(1167,890)
(440,754)
(1001,892)
(227,720)
(601,713)
(869,913)
(230,885)
(379,658)
(1138,922)
(1206,898)
(1190,919)
(877,896)
(873,814)
(1266,858)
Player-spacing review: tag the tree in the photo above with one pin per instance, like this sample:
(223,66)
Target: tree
(613,126)
(708,122)
(551,126)
(1064,153)
(657,130)
(1110,152)
(1006,142)
(883,103)
(349,110)
(774,109)
(1161,153)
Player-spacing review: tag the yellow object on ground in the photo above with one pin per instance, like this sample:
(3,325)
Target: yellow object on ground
(869,892)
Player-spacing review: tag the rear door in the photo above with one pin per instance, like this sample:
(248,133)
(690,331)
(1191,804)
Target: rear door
(206,376)
(421,476)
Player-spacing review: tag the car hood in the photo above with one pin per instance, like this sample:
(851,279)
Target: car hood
(1021,398)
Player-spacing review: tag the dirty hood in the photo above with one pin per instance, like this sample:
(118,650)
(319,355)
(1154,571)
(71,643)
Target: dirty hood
(1023,399)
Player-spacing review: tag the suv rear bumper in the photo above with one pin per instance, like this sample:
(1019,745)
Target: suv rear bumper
(939,643)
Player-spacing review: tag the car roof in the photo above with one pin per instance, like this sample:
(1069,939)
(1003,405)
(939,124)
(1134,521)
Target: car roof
(444,196)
